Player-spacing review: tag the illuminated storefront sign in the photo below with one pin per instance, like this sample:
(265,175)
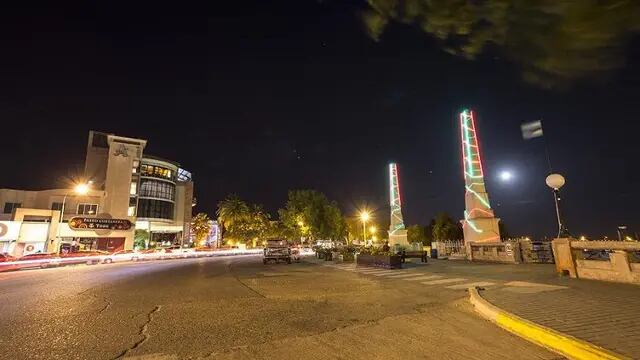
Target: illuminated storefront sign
(83,223)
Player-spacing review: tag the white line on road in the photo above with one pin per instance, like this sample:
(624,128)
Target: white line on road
(468,285)
(385,273)
(372,270)
(419,278)
(443,281)
(403,275)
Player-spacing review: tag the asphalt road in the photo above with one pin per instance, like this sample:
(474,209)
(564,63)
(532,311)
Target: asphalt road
(238,308)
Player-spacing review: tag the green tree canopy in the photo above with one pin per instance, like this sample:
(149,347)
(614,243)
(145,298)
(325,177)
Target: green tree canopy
(308,213)
(201,227)
(417,234)
(231,210)
(243,222)
(554,42)
(445,228)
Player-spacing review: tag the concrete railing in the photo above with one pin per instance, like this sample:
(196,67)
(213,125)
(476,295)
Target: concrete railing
(616,260)
(501,252)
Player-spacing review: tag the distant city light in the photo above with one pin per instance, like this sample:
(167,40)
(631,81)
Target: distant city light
(506,175)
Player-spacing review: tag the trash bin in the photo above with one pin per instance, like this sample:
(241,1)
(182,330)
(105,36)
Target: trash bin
(434,253)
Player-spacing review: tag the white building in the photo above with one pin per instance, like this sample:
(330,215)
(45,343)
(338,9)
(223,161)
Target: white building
(129,190)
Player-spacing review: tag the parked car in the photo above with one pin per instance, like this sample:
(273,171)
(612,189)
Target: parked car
(7,262)
(148,254)
(4,257)
(121,255)
(277,250)
(204,251)
(183,252)
(88,257)
(41,260)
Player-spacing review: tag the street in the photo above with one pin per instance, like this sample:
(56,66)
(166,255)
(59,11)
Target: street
(238,308)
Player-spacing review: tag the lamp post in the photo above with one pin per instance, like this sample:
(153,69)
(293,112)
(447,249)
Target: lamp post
(555,182)
(364,216)
(78,189)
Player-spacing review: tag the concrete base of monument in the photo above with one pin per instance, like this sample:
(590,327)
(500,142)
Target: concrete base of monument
(399,238)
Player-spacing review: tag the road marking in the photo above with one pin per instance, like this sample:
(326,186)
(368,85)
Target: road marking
(443,281)
(385,273)
(430,277)
(371,270)
(345,267)
(534,285)
(468,285)
(402,275)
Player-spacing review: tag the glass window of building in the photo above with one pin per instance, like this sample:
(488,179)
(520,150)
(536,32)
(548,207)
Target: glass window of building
(9,206)
(134,169)
(56,206)
(157,189)
(87,209)
(184,175)
(131,211)
(155,209)
(134,188)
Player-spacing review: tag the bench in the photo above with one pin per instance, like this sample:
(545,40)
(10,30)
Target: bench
(422,255)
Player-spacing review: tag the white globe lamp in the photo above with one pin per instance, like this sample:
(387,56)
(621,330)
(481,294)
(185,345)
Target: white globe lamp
(555,181)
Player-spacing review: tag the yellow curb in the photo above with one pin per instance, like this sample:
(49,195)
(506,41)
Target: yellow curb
(553,340)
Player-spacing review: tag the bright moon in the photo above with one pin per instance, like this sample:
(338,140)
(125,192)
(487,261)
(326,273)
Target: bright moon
(506,176)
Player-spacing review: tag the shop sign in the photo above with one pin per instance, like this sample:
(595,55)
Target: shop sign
(86,241)
(82,223)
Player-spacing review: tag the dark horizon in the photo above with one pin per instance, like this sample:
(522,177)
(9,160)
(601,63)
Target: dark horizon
(257,100)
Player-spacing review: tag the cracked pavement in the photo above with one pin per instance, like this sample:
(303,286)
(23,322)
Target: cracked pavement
(238,308)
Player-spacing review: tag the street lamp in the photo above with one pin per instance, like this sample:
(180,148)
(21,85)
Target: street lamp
(555,182)
(364,216)
(78,189)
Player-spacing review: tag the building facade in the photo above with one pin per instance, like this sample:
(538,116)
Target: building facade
(128,191)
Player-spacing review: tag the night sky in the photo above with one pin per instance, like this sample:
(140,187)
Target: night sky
(258,97)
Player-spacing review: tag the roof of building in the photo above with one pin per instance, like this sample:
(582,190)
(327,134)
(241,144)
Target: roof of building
(152,157)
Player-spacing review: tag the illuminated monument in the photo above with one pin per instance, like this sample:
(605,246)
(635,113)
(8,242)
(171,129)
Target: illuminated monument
(479,224)
(397,232)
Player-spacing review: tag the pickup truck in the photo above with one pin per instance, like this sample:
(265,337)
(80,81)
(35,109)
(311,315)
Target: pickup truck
(277,250)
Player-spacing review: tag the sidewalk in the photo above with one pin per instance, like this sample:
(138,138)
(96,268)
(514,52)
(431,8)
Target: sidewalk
(603,314)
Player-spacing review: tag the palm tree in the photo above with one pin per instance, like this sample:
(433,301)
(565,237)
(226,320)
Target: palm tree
(230,211)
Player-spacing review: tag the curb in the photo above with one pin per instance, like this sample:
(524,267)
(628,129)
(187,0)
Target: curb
(553,340)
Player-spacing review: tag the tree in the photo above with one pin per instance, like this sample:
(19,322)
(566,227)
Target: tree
(140,239)
(416,234)
(231,211)
(504,233)
(444,228)
(553,42)
(309,214)
(243,222)
(201,227)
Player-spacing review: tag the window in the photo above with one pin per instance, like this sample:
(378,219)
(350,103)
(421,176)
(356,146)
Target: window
(56,206)
(131,211)
(156,171)
(87,209)
(157,189)
(156,209)
(134,169)
(134,188)
(184,175)
(10,206)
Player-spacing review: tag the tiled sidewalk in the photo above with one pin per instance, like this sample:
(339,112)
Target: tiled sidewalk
(604,314)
